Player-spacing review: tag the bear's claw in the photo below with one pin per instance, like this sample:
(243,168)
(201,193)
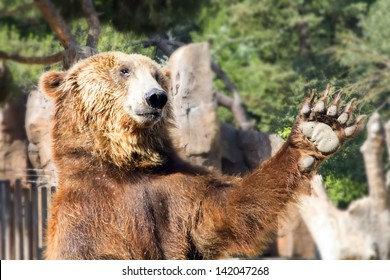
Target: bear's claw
(326,127)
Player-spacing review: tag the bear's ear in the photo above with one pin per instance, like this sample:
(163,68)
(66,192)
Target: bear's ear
(49,83)
(167,72)
(166,83)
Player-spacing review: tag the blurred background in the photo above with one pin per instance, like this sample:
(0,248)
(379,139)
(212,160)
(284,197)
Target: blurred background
(264,57)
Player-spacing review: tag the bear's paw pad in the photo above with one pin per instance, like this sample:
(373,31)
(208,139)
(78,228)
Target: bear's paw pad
(325,124)
(321,135)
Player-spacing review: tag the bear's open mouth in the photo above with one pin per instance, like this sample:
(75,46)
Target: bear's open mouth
(149,114)
(147,117)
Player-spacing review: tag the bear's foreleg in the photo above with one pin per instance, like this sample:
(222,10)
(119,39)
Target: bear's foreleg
(240,219)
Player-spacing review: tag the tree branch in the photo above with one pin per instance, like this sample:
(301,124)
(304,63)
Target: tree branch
(162,44)
(93,23)
(34,59)
(223,100)
(237,107)
(225,79)
(16,10)
(56,22)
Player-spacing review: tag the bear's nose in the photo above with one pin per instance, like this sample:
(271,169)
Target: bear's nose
(156,98)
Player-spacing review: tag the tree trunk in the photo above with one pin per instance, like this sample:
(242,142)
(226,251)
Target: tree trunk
(387,135)
(372,151)
(13,142)
(194,105)
(38,127)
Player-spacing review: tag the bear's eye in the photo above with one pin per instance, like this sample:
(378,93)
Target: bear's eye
(125,72)
(156,76)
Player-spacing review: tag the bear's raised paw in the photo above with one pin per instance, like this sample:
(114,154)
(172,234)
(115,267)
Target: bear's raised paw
(324,126)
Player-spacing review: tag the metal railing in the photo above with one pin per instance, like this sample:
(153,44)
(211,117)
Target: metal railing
(23,219)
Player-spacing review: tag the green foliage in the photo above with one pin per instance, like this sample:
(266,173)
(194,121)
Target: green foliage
(376,27)
(111,39)
(366,57)
(285,132)
(343,190)
(25,76)
(344,174)
(276,51)
(24,22)
(123,23)
(44,44)
(225,115)
(140,17)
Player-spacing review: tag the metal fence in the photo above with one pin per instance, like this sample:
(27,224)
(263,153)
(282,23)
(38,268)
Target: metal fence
(23,218)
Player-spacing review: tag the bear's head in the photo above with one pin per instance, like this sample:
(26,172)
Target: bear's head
(111,106)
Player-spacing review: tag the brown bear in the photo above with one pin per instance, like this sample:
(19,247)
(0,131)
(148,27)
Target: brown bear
(124,193)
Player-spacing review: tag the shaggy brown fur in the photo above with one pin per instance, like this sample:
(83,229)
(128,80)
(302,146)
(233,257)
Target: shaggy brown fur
(123,192)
